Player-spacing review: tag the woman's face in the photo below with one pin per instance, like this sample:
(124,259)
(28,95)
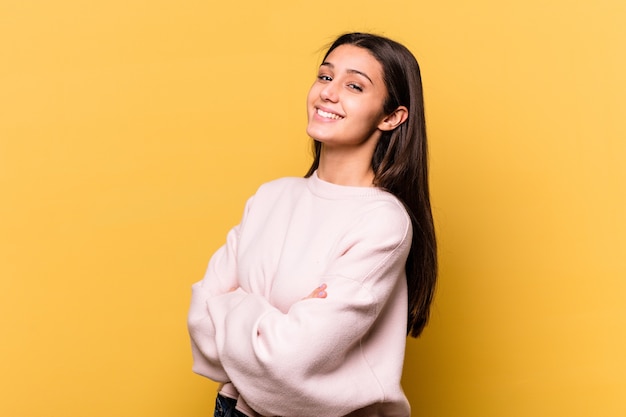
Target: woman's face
(345,104)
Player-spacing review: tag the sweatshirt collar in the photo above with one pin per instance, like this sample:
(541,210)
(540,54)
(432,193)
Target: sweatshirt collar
(329,190)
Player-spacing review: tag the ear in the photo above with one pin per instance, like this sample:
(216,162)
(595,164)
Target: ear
(394,119)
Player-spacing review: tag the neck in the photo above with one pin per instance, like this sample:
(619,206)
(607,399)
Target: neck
(345,168)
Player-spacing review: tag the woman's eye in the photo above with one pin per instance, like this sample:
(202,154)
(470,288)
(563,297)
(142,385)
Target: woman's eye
(324,78)
(355,87)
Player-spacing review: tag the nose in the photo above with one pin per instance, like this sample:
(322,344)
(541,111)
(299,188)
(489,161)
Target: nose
(329,92)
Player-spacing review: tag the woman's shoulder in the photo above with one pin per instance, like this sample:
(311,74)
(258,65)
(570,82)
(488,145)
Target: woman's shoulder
(280,185)
(384,216)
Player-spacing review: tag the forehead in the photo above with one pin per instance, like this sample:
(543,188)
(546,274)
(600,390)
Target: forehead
(350,57)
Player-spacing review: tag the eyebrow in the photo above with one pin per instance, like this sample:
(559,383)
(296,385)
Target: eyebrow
(349,71)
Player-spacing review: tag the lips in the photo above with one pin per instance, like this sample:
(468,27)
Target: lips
(328,115)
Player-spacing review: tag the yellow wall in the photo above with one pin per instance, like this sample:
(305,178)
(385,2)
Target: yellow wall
(131,133)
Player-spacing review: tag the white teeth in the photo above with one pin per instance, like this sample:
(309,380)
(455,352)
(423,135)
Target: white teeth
(328,115)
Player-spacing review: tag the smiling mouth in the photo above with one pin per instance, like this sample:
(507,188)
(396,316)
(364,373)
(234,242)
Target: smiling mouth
(327,115)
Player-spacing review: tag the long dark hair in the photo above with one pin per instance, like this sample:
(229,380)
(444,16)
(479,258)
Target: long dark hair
(400,165)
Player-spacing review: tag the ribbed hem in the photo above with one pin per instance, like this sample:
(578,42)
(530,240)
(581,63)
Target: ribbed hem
(228,390)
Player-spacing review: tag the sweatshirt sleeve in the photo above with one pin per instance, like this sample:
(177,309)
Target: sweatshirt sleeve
(313,354)
(219,278)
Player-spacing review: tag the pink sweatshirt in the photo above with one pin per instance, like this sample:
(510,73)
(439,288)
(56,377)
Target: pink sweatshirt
(282,355)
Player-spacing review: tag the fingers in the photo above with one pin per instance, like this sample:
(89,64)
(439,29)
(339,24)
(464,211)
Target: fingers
(319,292)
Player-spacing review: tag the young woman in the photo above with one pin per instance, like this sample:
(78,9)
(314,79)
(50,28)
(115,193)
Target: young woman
(305,310)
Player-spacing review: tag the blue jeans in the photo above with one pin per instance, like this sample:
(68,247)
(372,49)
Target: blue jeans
(225,407)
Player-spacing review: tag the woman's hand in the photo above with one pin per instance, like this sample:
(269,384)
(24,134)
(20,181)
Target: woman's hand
(319,292)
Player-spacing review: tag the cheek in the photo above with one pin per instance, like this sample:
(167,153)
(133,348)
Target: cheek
(313,93)
(372,117)
(310,99)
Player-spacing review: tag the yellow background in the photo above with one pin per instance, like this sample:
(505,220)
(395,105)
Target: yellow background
(131,133)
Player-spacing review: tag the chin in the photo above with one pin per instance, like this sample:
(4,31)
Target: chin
(314,135)
(320,133)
